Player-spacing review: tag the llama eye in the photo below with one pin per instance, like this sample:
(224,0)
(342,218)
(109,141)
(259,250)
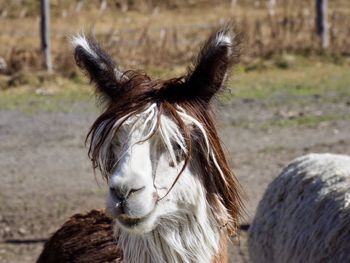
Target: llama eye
(179,154)
(179,151)
(171,164)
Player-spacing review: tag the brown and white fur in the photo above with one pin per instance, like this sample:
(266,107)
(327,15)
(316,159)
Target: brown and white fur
(171,191)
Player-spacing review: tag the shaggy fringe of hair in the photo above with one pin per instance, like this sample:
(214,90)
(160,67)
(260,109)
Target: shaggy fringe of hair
(195,129)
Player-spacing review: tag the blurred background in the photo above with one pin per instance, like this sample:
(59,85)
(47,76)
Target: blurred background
(289,95)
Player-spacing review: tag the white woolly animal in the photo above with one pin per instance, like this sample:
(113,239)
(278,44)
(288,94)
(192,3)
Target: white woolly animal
(304,215)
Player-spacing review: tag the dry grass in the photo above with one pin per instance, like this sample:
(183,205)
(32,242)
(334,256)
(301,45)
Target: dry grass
(147,34)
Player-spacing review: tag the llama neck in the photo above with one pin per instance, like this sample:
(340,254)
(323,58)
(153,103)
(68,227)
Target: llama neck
(189,238)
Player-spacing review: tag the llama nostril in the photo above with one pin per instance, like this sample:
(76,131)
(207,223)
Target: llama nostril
(123,193)
(119,208)
(134,191)
(118,193)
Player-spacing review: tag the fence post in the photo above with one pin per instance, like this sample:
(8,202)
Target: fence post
(271,5)
(45,33)
(321,23)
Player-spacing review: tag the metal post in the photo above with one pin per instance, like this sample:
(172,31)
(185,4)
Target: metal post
(45,34)
(321,23)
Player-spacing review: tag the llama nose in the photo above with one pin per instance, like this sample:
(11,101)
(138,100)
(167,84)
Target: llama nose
(119,192)
(123,193)
(120,200)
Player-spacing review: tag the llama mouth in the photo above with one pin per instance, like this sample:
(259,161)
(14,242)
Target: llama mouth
(133,222)
(130,222)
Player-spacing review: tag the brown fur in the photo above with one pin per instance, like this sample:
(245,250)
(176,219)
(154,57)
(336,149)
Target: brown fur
(82,239)
(89,238)
(222,257)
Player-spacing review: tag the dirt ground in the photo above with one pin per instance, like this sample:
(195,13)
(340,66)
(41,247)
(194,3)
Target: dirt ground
(46,175)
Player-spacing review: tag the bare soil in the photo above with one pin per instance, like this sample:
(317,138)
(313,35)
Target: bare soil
(46,175)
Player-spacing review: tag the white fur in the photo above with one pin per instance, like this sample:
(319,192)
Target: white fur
(80,40)
(304,215)
(223,40)
(185,232)
(177,225)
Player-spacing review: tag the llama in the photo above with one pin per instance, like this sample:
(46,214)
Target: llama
(304,215)
(171,192)
(83,238)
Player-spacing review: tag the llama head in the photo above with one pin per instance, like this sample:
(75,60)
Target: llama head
(156,143)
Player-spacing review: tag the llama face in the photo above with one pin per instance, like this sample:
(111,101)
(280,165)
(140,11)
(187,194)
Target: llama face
(144,171)
(132,197)
(155,141)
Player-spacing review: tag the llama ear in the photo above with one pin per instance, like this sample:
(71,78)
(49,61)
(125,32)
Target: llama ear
(99,66)
(213,63)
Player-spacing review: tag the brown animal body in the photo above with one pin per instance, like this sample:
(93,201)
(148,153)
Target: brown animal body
(83,238)
(88,238)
